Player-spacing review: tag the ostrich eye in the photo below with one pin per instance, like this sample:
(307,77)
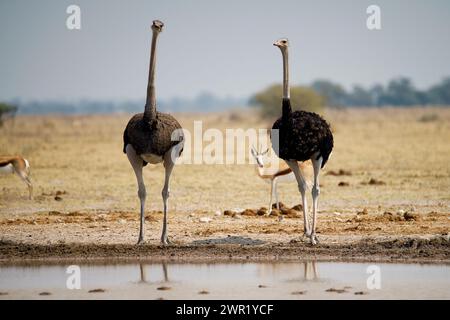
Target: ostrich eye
(284,41)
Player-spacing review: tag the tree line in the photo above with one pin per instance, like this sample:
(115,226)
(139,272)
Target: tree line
(398,92)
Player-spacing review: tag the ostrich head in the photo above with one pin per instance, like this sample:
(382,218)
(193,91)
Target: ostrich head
(157,26)
(259,156)
(282,44)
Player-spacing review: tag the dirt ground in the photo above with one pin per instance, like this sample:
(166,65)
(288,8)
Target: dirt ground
(384,194)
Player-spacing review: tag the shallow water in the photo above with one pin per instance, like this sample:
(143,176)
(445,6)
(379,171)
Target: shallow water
(277,280)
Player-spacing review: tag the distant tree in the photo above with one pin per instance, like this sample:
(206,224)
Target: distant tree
(302,98)
(6,110)
(376,92)
(440,94)
(401,92)
(334,94)
(360,97)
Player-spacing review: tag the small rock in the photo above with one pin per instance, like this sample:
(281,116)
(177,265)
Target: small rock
(262,212)
(248,212)
(401,212)
(237,216)
(96,290)
(297,207)
(218,213)
(343,184)
(163,288)
(375,182)
(203,292)
(44,293)
(335,290)
(409,216)
(360,293)
(363,212)
(298,292)
(281,205)
(261,286)
(229,213)
(122,221)
(205,219)
(275,213)
(58,198)
(341,172)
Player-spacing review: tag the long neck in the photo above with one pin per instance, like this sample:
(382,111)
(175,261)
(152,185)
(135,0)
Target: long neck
(150,104)
(287,110)
(286,90)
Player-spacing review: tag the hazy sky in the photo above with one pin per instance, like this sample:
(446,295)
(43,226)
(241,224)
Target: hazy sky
(224,47)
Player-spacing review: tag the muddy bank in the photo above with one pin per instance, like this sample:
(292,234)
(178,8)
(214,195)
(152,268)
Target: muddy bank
(408,249)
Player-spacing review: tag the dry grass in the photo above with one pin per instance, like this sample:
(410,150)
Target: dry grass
(82,155)
(392,161)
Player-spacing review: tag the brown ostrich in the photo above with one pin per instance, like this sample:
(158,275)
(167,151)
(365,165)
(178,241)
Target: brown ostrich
(300,136)
(152,137)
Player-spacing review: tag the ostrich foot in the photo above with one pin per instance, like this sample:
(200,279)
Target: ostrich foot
(314,239)
(306,233)
(165,241)
(140,241)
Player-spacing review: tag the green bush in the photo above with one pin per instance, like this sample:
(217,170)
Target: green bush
(6,110)
(302,98)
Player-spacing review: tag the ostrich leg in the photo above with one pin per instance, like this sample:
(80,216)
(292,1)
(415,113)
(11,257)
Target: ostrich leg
(169,163)
(272,190)
(137,163)
(317,164)
(302,185)
(275,190)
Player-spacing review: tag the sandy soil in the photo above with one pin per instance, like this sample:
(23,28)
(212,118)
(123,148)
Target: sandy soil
(393,203)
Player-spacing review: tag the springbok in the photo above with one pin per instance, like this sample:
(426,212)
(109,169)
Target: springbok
(282,174)
(20,166)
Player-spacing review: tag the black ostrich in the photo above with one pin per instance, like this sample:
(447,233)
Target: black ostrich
(152,137)
(299,136)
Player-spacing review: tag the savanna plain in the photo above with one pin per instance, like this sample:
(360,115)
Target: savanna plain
(385,194)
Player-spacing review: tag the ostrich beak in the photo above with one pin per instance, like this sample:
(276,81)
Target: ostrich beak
(158,25)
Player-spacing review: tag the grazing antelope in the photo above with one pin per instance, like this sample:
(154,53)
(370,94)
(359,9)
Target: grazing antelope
(282,174)
(20,166)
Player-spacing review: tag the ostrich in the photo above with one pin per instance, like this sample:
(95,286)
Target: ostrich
(152,137)
(19,166)
(300,136)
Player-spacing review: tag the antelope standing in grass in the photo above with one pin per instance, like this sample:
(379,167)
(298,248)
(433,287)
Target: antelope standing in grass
(281,174)
(20,166)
